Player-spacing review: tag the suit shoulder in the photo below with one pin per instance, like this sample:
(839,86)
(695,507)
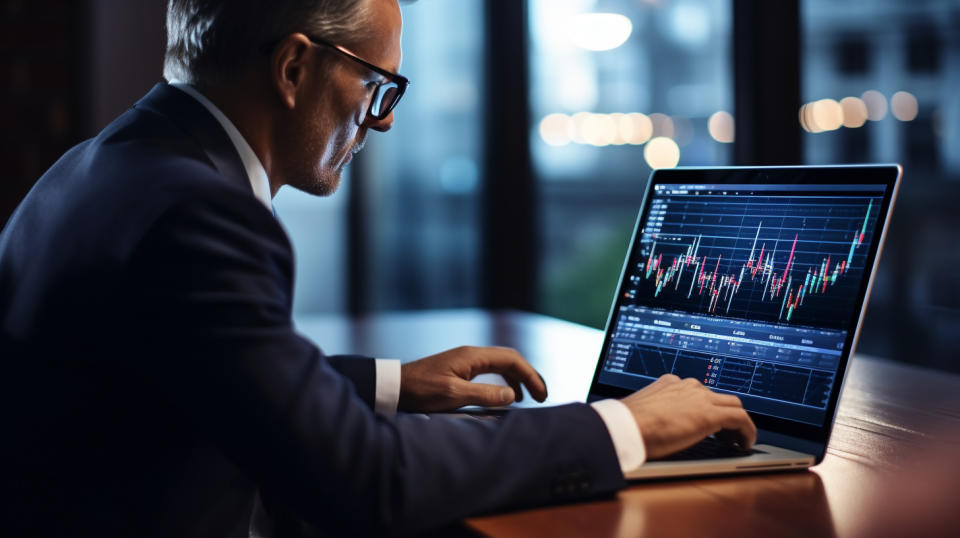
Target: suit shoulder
(144,159)
(111,190)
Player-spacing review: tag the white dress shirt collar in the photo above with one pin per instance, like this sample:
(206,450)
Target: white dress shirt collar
(251,163)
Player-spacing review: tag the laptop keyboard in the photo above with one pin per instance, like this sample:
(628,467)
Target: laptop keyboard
(711,448)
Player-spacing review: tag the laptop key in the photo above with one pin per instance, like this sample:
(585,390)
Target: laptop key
(711,448)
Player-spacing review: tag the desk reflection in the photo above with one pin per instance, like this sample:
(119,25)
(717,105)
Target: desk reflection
(728,506)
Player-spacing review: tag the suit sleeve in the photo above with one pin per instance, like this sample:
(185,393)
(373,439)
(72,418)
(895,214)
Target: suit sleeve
(362,373)
(212,283)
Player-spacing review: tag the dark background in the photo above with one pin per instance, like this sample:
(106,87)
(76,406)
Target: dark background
(465,205)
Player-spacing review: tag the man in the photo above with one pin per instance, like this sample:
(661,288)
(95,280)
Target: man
(152,376)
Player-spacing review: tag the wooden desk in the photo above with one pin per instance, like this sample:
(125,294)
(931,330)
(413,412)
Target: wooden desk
(889,413)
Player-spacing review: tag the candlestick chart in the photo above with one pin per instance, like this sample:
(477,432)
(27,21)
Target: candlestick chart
(791,259)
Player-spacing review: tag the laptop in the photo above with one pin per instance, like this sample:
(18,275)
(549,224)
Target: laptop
(754,281)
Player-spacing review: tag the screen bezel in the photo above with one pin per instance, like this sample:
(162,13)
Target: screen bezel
(886,174)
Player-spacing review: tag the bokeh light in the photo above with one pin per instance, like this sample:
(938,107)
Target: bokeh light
(854,112)
(619,137)
(600,31)
(641,128)
(661,152)
(827,114)
(579,120)
(721,128)
(904,106)
(599,130)
(876,105)
(556,129)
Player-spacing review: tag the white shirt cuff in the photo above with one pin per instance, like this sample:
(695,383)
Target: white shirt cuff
(387,390)
(624,432)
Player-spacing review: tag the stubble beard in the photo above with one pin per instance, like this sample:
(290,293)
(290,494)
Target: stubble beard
(305,172)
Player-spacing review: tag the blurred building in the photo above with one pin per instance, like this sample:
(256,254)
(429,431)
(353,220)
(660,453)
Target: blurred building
(617,87)
(901,60)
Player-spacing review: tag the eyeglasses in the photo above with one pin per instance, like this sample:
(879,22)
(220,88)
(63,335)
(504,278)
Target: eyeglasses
(386,94)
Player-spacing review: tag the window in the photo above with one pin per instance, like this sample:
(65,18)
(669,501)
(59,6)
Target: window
(617,87)
(902,106)
(316,229)
(423,176)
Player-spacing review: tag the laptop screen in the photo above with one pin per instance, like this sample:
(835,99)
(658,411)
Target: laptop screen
(753,288)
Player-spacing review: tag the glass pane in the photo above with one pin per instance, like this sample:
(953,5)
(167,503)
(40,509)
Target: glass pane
(316,228)
(423,175)
(617,87)
(880,85)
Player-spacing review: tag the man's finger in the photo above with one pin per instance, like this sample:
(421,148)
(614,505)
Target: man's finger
(485,394)
(544,386)
(668,379)
(517,390)
(661,383)
(514,368)
(726,400)
(738,420)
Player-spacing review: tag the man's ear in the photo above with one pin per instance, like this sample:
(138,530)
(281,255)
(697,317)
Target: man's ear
(288,67)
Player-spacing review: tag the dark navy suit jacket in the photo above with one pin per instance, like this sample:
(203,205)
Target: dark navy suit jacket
(152,377)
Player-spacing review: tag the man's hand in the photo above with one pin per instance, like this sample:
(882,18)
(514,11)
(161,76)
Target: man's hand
(441,382)
(673,414)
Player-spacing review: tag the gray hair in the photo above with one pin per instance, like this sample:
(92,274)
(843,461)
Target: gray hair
(213,41)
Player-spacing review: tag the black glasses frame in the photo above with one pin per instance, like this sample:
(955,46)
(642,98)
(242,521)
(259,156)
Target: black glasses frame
(401,81)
